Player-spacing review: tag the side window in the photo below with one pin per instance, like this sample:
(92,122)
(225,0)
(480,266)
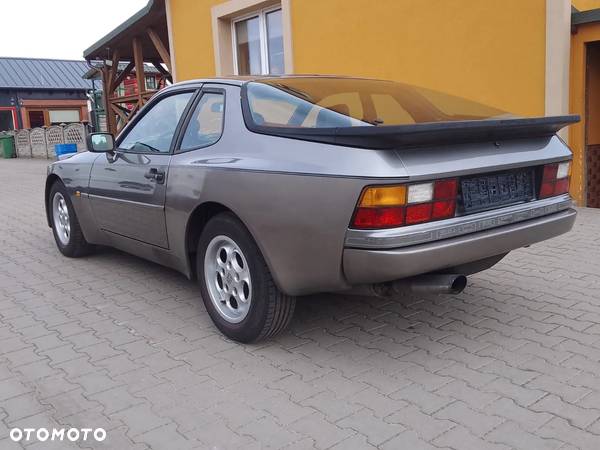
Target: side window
(282,106)
(206,123)
(154,131)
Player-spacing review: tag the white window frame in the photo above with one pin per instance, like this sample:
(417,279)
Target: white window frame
(263,36)
(13,115)
(147,77)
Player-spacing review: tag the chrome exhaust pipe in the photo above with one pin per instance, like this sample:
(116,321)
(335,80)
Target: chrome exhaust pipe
(423,284)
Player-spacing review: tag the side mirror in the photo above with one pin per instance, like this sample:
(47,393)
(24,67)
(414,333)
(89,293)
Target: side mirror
(100,142)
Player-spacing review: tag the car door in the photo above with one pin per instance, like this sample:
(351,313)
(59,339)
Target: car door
(127,187)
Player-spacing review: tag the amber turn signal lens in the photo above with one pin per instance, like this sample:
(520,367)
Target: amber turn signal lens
(374,197)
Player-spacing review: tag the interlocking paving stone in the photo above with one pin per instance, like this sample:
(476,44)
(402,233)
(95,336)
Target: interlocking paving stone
(115,341)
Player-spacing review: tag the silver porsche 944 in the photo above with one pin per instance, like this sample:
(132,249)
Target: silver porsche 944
(270,188)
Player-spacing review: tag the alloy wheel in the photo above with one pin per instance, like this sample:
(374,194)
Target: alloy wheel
(228,279)
(60,214)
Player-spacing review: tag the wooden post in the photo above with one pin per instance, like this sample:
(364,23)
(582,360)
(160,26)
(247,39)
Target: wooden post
(138,59)
(111,120)
(112,74)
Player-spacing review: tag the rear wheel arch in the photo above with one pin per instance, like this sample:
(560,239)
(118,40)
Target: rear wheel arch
(197,221)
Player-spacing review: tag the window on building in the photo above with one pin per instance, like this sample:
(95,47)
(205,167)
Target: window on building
(36,119)
(58,116)
(7,120)
(258,47)
(150,83)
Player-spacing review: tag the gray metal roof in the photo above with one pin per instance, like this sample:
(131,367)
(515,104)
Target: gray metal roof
(33,73)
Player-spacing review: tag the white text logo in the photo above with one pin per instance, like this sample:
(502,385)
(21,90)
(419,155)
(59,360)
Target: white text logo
(57,434)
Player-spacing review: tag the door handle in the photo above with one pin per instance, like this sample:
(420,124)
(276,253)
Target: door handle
(155,174)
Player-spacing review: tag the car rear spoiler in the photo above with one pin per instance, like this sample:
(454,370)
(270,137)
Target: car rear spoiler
(431,133)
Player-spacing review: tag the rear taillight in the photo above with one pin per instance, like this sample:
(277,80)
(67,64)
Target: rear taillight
(395,206)
(555,179)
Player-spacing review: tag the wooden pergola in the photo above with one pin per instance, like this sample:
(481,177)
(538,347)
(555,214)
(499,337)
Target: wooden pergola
(141,39)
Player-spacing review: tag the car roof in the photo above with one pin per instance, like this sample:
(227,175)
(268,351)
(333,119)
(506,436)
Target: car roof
(238,80)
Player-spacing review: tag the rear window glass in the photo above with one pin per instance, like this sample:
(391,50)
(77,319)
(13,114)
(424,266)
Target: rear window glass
(311,102)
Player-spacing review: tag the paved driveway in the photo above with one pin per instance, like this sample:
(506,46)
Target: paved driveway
(116,342)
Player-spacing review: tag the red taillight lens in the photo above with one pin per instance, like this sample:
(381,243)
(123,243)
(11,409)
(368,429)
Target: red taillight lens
(550,171)
(445,190)
(394,206)
(555,180)
(561,186)
(547,189)
(443,209)
(379,217)
(418,213)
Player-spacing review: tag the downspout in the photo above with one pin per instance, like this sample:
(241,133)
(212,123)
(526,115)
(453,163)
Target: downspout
(171,43)
(20,125)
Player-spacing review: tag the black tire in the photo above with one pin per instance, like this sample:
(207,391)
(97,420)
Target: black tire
(76,245)
(270,310)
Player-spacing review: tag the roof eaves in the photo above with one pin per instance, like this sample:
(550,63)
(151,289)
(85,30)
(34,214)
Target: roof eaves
(102,43)
(583,17)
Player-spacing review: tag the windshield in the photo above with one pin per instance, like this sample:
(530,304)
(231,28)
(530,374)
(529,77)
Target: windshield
(319,102)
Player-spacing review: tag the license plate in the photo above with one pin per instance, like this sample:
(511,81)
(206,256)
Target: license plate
(495,190)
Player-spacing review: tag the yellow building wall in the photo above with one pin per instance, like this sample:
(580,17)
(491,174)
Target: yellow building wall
(490,51)
(191,31)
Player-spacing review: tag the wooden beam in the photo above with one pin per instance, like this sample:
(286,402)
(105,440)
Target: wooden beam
(122,115)
(160,47)
(131,98)
(120,112)
(124,99)
(165,73)
(114,69)
(134,110)
(122,75)
(138,59)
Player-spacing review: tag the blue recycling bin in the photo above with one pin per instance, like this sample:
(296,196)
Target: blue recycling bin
(64,150)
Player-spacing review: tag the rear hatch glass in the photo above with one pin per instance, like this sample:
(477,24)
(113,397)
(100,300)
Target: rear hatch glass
(328,102)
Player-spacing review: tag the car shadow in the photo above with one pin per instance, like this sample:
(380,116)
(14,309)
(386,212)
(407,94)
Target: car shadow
(353,317)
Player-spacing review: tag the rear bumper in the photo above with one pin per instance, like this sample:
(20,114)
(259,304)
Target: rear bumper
(363,265)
